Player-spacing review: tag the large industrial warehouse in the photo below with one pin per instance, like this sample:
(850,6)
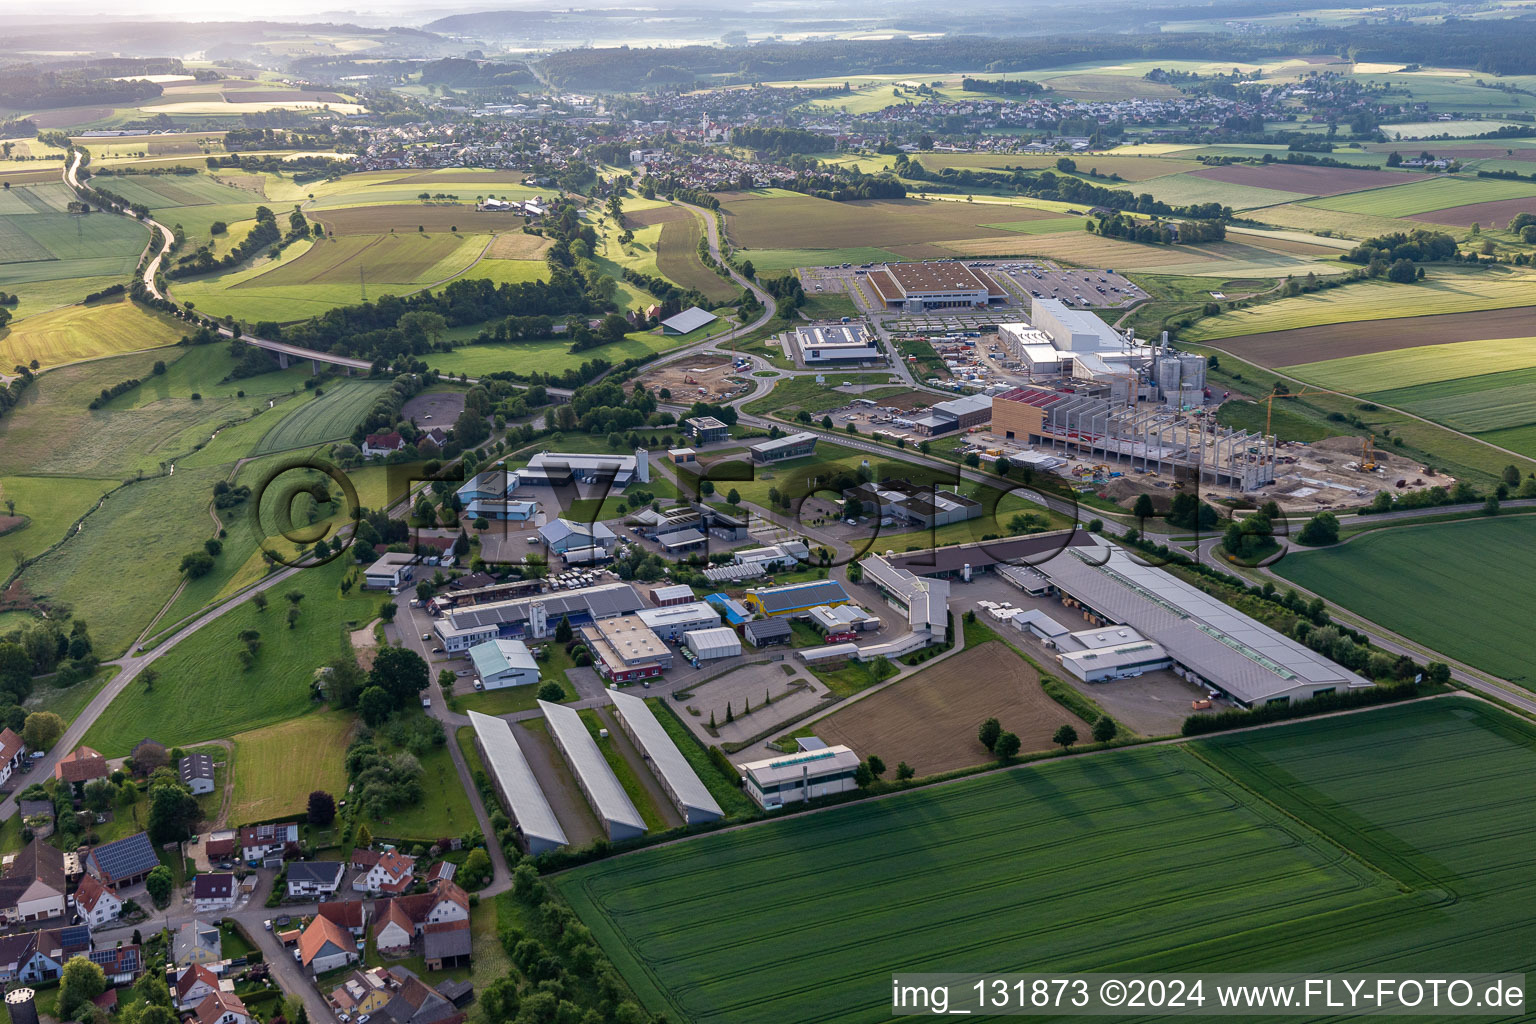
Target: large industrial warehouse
(939,284)
(514,782)
(1208,642)
(615,811)
(667,762)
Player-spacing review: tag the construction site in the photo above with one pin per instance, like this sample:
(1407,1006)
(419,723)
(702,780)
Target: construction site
(703,378)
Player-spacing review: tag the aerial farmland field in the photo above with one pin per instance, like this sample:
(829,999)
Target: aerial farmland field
(1426,195)
(1442,291)
(1370,840)
(327,417)
(1482,568)
(1426,364)
(74,333)
(1187,189)
(1362,337)
(1476,404)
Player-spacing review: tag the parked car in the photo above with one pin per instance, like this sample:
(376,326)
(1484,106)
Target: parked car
(426,636)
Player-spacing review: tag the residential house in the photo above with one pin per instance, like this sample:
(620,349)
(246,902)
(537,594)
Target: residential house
(214,893)
(325,946)
(361,993)
(313,878)
(364,859)
(265,846)
(34,885)
(349,914)
(400,921)
(416,1002)
(11,751)
(61,944)
(20,959)
(193,985)
(121,964)
(196,772)
(197,942)
(79,767)
(382,444)
(442,871)
(123,861)
(96,903)
(222,1008)
(389,876)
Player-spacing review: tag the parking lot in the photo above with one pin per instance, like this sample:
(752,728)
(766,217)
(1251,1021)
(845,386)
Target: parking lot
(1040,279)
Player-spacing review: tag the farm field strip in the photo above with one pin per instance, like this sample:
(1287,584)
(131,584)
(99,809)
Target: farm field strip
(1439,292)
(383,259)
(1404,787)
(74,333)
(1484,569)
(327,417)
(1187,189)
(1491,401)
(1426,364)
(1427,195)
(276,768)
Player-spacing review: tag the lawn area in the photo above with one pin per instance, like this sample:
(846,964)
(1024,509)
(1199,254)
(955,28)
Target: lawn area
(849,678)
(1407,577)
(508,699)
(444,808)
(789,259)
(1423,364)
(624,772)
(191,702)
(1441,291)
(74,333)
(552,356)
(1373,838)
(829,306)
(277,767)
(326,417)
(1286,423)
(68,701)
(795,393)
(51,504)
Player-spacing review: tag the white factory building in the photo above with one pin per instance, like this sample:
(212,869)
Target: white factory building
(816,771)
(835,343)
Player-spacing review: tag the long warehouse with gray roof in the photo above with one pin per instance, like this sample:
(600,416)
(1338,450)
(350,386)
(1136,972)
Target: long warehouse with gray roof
(602,788)
(671,768)
(1208,641)
(514,781)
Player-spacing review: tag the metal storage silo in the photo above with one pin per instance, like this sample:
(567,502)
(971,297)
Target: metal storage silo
(21,1003)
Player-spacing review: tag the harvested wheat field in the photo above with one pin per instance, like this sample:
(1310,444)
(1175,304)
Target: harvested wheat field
(930,719)
(1303,178)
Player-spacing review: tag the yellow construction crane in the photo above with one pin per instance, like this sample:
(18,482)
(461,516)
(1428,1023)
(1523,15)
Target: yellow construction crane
(1269,402)
(1368,454)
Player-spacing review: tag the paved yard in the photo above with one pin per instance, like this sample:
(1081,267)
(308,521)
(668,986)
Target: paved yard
(792,695)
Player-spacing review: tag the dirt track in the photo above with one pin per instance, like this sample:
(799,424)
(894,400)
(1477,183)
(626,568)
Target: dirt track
(1330,341)
(930,719)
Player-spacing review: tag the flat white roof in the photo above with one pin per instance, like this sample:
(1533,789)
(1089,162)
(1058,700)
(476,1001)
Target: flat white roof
(666,759)
(602,787)
(671,593)
(693,611)
(505,761)
(813,762)
(690,319)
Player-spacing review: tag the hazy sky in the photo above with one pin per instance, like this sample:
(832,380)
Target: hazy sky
(398,11)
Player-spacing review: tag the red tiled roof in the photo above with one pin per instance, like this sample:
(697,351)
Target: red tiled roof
(83,765)
(90,893)
(320,931)
(216,1005)
(10,745)
(389,440)
(345,913)
(191,976)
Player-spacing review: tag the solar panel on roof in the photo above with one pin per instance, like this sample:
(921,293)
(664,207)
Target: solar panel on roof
(124,858)
(75,936)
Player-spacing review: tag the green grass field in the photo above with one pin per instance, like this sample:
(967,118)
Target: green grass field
(1369,840)
(444,809)
(277,767)
(1423,364)
(548,356)
(1185,189)
(74,333)
(1442,291)
(411,260)
(195,701)
(796,393)
(1482,568)
(677,257)
(1490,401)
(324,418)
(1424,196)
(51,503)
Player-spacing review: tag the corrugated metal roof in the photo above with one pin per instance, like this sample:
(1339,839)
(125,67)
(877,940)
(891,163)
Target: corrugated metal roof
(800,595)
(667,760)
(718,642)
(602,787)
(505,761)
(690,319)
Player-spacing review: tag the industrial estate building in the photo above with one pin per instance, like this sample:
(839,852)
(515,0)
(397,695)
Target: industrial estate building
(553,469)
(924,601)
(796,597)
(615,811)
(625,649)
(513,779)
(791,446)
(901,501)
(705,429)
(940,284)
(948,417)
(533,616)
(666,761)
(671,621)
(688,321)
(816,771)
(835,343)
(499,663)
(488,495)
(1206,641)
